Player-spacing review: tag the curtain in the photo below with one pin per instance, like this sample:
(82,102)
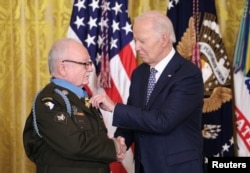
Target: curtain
(27,30)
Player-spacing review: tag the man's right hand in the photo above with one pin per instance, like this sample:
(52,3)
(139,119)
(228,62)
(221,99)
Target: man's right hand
(121,148)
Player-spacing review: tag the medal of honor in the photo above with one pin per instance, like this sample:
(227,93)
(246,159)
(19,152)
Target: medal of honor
(87,104)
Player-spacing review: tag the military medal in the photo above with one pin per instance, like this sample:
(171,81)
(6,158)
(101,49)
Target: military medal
(87,104)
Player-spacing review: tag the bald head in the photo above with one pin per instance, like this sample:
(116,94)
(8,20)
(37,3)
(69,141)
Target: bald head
(64,49)
(69,60)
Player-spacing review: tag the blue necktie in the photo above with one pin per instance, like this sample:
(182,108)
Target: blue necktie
(151,82)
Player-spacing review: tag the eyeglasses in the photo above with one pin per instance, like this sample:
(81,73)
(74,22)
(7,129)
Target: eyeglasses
(85,64)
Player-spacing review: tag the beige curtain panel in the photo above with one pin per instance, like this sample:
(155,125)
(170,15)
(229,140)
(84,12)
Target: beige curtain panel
(27,30)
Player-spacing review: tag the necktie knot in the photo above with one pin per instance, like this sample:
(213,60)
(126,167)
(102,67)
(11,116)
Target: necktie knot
(153,71)
(151,82)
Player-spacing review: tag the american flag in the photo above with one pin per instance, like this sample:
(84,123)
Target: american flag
(195,23)
(104,28)
(242,83)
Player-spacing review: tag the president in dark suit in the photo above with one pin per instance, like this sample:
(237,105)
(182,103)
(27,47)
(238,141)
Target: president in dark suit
(166,126)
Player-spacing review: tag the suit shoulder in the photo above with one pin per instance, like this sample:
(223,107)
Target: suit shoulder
(189,64)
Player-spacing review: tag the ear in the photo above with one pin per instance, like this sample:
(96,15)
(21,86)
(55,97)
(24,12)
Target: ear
(165,40)
(62,68)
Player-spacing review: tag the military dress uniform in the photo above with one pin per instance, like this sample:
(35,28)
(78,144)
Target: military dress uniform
(65,134)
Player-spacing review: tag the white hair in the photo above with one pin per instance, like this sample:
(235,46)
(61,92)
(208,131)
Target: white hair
(58,52)
(160,23)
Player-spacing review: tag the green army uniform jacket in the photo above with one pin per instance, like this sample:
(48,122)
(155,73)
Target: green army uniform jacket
(65,134)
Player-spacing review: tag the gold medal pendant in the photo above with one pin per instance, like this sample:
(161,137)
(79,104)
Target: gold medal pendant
(87,104)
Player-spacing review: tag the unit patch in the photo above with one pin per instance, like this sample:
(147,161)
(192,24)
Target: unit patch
(48,103)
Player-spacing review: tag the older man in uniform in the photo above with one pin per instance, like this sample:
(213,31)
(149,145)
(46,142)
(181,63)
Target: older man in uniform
(64,133)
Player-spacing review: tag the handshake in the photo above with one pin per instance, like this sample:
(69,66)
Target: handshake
(120,147)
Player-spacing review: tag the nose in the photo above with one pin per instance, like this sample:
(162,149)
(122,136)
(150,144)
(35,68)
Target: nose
(137,46)
(90,68)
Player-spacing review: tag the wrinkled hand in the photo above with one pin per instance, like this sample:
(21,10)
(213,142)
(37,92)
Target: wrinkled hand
(102,101)
(121,148)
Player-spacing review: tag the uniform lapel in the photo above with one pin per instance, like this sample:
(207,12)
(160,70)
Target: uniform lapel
(79,105)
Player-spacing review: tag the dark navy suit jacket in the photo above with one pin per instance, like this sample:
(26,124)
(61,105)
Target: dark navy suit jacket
(167,131)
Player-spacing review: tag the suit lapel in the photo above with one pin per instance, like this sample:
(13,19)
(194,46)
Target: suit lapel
(167,74)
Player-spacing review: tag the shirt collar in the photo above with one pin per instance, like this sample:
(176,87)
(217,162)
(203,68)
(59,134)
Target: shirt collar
(65,84)
(164,62)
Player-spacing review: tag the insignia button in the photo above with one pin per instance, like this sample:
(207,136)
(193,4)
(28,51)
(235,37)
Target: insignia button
(65,92)
(60,118)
